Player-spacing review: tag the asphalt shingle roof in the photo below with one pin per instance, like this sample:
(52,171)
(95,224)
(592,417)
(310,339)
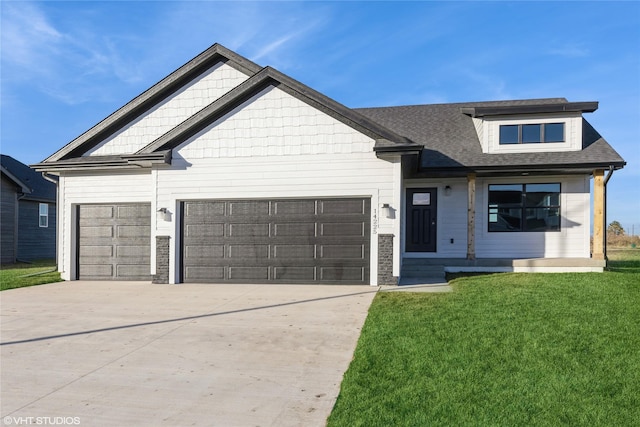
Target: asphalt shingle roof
(41,189)
(451,141)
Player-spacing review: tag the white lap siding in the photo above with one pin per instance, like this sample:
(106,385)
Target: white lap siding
(95,188)
(276,146)
(572,241)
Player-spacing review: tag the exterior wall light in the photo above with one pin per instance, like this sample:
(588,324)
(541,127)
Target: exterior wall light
(387,210)
(447,190)
(163,214)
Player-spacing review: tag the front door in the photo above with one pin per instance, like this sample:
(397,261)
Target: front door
(421,219)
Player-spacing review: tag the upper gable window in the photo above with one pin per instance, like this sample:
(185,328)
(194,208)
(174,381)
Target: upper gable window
(534,133)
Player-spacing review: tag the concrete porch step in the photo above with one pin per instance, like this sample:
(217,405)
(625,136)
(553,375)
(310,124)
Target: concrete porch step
(415,269)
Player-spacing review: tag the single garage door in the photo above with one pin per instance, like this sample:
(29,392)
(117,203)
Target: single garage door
(276,241)
(114,242)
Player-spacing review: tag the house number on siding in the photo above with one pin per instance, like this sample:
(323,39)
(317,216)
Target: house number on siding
(374,224)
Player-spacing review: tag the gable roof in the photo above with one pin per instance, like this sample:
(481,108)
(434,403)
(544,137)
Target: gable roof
(31,183)
(443,136)
(271,77)
(152,96)
(158,151)
(450,140)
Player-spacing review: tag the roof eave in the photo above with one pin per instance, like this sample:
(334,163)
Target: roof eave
(561,107)
(128,161)
(586,167)
(23,187)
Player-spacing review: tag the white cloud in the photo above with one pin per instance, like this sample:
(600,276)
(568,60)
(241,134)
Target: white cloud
(27,35)
(63,62)
(570,51)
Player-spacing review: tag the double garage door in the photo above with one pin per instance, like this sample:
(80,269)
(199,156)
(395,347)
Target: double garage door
(276,241)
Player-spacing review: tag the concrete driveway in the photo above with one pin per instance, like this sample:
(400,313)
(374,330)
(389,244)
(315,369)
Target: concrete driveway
(131,353)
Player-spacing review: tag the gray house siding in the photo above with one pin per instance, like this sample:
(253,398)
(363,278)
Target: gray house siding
(35,242)
(8,217)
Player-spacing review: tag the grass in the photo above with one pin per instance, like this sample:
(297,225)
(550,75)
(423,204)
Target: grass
(20,275)
(502,350)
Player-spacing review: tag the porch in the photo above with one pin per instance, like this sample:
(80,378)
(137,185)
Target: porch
(416,269)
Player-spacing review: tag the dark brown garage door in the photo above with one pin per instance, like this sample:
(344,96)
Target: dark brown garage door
(276,241)
(114,242)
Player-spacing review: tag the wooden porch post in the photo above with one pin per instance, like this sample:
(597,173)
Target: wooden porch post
(471,216)
(599,227)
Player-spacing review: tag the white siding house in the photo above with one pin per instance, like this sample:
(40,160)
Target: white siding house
(229,172)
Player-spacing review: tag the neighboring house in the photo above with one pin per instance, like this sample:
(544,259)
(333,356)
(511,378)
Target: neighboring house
(28,213)
(225,171)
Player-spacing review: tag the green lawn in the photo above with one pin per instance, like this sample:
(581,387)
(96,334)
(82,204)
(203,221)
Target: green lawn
(22,274)
(502,350)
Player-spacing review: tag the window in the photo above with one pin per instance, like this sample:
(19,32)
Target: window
(44,215)
(524,207)
(531,133)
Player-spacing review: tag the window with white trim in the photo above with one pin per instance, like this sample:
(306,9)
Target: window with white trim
(44,215)
(524,207)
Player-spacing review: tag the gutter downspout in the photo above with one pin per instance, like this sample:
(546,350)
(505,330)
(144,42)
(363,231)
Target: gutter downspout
(48,177)
(604,245)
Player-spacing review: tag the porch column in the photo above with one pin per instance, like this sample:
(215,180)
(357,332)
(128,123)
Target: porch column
(599,227)
(471,216)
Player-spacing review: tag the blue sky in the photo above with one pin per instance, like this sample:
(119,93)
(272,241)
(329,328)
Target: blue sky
(67,65)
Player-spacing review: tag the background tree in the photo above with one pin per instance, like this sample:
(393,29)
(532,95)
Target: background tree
(616,229)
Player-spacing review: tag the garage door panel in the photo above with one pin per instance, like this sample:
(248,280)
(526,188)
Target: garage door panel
(294,207)
(114,242)
(204,230)
(295,274)
(248,251)
(340,273)
(342,229)
(294,251)
(204,251)
(133,231)
(100,250)
(343,207)
(249,273)
(271,241)
(205,210)
(253,230)
(90,232)
(342,251)
(132,271)
(131,212)
(96,271)
(91,212)
(249,208)
(206,274)
(294,230)
(133,252)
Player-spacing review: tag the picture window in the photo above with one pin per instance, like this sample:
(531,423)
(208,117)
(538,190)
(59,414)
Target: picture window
(524,207)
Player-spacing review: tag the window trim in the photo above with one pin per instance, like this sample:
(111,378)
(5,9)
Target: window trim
(542,133)
(523,208)
(43,215)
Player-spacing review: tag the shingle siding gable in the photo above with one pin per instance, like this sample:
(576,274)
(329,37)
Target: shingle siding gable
(274,123)
(200,92)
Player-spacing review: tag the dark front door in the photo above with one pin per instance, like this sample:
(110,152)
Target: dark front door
(421,219)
